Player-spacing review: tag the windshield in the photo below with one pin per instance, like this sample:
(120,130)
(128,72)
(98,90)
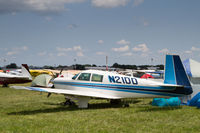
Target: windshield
(75,76)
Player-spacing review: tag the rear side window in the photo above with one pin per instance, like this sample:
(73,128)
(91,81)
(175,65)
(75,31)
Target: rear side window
(84,76)
(97,78)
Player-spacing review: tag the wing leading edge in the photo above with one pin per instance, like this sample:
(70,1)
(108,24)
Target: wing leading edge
(67,92)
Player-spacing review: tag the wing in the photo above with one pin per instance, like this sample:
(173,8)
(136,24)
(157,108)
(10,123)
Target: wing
(67,92)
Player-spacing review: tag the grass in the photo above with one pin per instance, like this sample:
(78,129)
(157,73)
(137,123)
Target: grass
(32,112)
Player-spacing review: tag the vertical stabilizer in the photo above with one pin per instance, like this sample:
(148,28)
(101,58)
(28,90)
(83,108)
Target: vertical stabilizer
(175,73)
(25,71)
(181,76)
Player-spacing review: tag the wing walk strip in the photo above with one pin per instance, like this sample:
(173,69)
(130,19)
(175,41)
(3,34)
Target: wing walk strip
(135,89)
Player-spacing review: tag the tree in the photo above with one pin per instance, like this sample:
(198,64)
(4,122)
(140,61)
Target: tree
(12,65)
(93,65)
(116,65)
(160,67)
(79,67)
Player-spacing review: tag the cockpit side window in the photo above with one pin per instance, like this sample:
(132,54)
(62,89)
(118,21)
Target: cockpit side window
(97,78)
(75,76)
(84,76)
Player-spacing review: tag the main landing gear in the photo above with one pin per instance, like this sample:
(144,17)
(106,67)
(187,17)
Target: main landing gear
(82,102)
(118,102)
(69,102)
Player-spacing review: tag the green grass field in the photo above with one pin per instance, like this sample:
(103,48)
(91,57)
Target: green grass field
(32,112)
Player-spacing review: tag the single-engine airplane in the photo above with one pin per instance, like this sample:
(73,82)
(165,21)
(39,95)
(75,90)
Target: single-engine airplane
(7,78)
(109,85)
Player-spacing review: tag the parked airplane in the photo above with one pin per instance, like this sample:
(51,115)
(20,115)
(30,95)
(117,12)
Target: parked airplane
(35,73)
(109,85)
(7,78)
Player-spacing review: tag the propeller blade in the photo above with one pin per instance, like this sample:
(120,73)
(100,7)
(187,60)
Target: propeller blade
(61,71)
(49,94)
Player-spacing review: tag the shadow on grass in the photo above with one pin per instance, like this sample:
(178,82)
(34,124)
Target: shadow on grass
(104,105)
(131,101)
(50,103)
(62,108)
(47,110)
(123,103)
(153,108)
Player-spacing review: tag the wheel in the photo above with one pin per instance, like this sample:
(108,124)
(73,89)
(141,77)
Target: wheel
(69,102)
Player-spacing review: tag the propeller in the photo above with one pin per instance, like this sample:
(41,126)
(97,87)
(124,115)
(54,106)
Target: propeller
(49,94)
(58,75)
(61,71)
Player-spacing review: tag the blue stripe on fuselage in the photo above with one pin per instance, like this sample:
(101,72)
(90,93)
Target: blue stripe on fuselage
(117,85)
(123,88)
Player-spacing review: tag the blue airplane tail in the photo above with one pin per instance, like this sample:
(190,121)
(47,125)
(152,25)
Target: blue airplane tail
(175,73)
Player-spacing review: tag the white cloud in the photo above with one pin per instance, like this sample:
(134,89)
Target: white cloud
(77,48)
(128,54)
(109,3)
(12,53)
(195,49)
(100,53)
(24,48)
(100,41)
(141,48)
(18,50)
(39,6)
(137,2)
(164,51)
(188,52)
(79,54)
(63,51)
(121,49)
(124,42)
(61,54)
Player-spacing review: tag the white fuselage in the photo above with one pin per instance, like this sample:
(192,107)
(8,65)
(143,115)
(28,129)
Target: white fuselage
(6,78)
(116,85)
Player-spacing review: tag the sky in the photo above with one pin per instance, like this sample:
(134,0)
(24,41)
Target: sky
(65,32)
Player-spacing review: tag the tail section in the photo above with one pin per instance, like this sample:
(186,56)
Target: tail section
(175,73)
(25,71)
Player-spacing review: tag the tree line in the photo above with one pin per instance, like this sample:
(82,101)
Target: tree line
(83,67)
